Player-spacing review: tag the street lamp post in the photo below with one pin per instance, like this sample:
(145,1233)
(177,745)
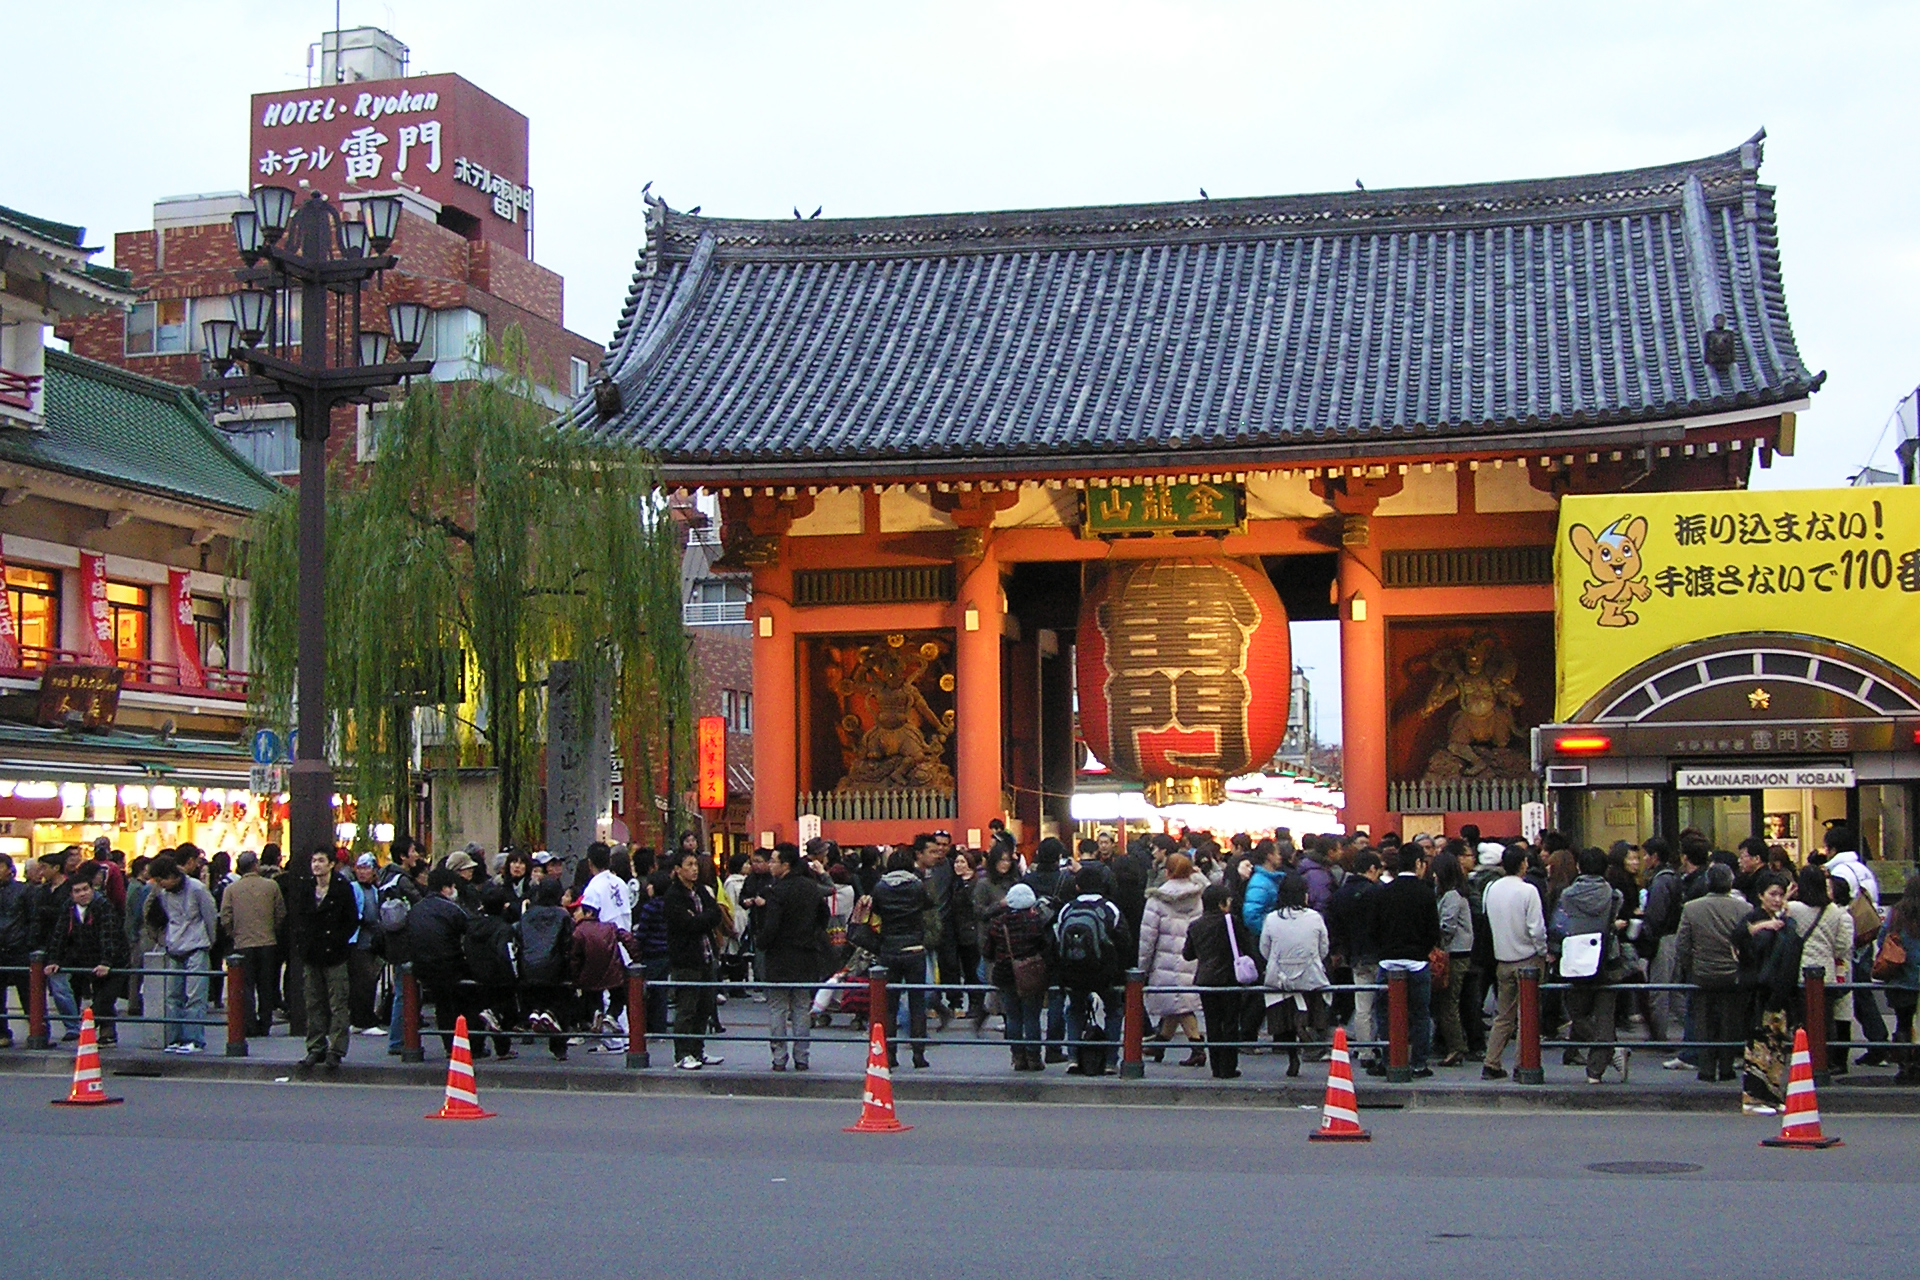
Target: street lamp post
(310,252)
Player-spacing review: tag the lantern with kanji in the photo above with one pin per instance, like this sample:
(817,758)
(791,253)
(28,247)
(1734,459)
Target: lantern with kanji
(1184,673)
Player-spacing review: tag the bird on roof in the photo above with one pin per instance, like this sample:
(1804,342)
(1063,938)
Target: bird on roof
(1204,195)
(815,213)
(1359,184)
(796,211)
(647,188)
(691,212)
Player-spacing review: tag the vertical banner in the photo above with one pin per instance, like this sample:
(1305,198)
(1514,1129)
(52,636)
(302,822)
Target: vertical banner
(186,640)
(9,627)
(713,762)
(96,639)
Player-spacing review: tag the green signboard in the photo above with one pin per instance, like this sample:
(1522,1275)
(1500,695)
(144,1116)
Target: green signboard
(1163,508)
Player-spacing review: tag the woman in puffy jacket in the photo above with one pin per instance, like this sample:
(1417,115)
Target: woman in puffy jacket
(1017,931)
(1172,907)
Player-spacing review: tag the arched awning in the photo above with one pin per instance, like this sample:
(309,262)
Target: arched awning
(1731,677)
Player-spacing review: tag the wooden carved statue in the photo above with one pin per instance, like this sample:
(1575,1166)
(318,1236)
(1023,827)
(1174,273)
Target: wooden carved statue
(903,746)
(1478,677)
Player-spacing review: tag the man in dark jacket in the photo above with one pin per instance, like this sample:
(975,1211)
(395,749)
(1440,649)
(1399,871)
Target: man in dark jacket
(793,945)
(1407,929)
(692,915)
(1352,953)
(435,928)
(325,924)
(88,941)
(16,941)
(545,934)
(753,897)
(901,904)
(489,948)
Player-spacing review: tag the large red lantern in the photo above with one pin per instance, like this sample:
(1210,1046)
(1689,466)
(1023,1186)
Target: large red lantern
(1184,671)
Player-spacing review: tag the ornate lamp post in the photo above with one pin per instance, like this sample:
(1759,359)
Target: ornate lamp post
(310,255)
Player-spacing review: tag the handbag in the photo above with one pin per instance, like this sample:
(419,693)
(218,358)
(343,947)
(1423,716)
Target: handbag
(1439,966)
(1245,971)
(1580,955)
(861,931)
(1029,972)
(1891,959)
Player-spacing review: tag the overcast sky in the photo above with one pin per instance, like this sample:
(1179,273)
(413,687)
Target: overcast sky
(749,109)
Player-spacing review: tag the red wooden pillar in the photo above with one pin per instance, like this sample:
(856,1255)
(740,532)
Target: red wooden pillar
(777,680)
(978,624)
(1363,679)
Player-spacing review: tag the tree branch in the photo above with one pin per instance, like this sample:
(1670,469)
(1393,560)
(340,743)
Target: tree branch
(445,526)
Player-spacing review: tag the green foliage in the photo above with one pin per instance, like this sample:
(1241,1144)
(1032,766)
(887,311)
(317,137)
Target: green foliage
(482,530)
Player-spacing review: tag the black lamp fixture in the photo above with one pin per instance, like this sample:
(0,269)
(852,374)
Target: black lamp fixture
(274,208)
(219,335)
(247,237)
(383,220)
(409,321)
(251,308)
(353,238)
(373,346)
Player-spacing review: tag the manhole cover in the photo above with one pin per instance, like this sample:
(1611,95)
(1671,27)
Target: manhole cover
(1645,1167)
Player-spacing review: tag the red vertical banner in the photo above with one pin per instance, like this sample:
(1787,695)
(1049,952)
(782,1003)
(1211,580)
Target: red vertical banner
(186,640)
(96,640)
(9,627)
(713,762)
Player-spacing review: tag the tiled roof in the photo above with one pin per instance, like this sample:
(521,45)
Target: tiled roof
(45,228)
(106,424)
(1247,328)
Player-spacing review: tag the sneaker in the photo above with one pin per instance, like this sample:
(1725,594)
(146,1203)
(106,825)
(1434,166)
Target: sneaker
(1758,1109)
(191,1048)
(1423,1073)
(373,1031)
(799,1066)
(689,1063)
(1676,1064)
(615,1046)
(711,1059)
(779,1066)
(489,1020)
(172,1048)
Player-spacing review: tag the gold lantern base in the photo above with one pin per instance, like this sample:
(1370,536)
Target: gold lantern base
(1185,791)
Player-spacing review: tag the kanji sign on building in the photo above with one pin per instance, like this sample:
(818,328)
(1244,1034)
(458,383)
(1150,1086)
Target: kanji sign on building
(1163,508)
(712,741)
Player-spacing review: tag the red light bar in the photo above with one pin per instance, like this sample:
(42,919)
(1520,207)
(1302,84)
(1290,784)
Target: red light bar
(1587,744)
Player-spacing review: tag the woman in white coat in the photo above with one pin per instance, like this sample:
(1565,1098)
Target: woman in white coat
(1827,931)
(1293,941)
(1171,908)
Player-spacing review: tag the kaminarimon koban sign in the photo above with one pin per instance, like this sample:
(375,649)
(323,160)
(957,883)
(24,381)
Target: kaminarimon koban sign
(1760,779)
(1789,605)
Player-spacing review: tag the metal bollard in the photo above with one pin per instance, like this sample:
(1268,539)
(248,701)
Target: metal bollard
(1526,1066)
(1399,1061)
(1815,978)
(877,1008)
(637,1018)
(236,1009)
(1133,1027)
(37,1000)
(410,1050)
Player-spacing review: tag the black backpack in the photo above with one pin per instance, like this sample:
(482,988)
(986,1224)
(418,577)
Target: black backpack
(1086,943)
(542,959)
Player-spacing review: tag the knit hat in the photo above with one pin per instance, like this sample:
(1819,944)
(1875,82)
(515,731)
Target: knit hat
(1491,854)
(1021,898)
(458,861)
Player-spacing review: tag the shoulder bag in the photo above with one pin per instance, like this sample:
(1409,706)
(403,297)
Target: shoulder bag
(1245,971)
(1029,972)
(1891,959)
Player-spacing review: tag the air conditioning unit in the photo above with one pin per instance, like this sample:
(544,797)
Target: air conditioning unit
(1566,776)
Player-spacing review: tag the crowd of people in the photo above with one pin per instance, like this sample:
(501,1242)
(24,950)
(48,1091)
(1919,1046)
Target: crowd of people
(1269,936)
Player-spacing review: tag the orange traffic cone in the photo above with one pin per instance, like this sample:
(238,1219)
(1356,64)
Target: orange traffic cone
(87,1089)
(463,1097)
(1340,1118)
(1800,1122)
(876,1102)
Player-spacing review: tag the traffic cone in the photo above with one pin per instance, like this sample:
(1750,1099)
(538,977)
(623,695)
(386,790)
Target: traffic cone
(1800,1122)
(87,1089)
(463,1097)
(1340,1117)
(876,1101)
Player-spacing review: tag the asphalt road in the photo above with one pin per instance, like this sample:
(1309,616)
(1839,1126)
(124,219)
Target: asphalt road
(206,1180)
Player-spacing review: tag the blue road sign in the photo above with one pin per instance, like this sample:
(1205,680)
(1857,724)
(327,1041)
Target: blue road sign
(266,747)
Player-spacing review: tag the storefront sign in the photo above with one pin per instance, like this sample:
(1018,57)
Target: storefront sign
(96,635)
(186,638)
(1639,575)
(9,630)
(1756,779)
(94,692)
(713,762)
(1163,508)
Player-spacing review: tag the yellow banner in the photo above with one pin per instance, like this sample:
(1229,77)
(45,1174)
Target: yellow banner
(1638,574)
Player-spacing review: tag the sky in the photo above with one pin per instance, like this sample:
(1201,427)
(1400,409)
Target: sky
(749,109)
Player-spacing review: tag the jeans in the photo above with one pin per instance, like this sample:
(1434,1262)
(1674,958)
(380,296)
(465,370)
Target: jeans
(1022,1020)
(789,1022)
(1663,1007)
(1419,1016)
(911,967)
(1095,1056)
(327,1008)
(396,1031)
(187,999)
(1056,1018)
(60,997)
(261,968)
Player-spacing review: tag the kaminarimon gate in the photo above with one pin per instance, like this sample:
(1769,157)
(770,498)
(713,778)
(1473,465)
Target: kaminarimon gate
(1013,486)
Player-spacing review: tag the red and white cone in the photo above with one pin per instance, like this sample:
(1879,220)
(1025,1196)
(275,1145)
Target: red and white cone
(1800,1122)
(876,1100)
(1340,1116)
(463,1096)
(88,1089)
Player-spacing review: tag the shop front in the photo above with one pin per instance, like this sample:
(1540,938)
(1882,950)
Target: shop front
(1737,663)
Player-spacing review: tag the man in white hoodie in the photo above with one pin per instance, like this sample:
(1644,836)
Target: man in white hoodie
(1519,927)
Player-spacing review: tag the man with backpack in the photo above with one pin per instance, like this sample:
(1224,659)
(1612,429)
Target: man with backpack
(545,935)
(1092,940)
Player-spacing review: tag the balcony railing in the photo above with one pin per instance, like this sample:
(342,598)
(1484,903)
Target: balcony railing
(1463,795)
(19,390)
(141,673)
(917,805)
(710,613)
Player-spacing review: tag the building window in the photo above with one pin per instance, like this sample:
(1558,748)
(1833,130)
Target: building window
(736,705)
(34,595)
(579,369)
(270,444)
(128,613)
(375,419)
(210,628)
(717,600)
(160,328)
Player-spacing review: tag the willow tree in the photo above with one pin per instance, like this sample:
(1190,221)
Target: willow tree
(485,542)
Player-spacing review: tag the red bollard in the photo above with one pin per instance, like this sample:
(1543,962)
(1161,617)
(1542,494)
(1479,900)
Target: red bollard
(877,1004)
(1399,1049)
(1816,1022)
(1526,1066)
(37,1000)
(637,1018)
(1133,1027)
(410,1050)
(236,1009)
